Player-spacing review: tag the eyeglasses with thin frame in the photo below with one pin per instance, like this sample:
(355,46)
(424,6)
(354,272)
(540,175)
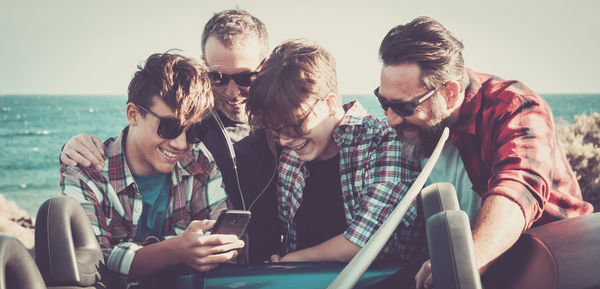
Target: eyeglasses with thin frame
(295,130)
(403,108)
(169,128)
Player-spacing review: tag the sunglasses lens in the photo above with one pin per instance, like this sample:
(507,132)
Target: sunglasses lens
(169,128)
(403,109)
(217,78)
(244,79)
(196,132)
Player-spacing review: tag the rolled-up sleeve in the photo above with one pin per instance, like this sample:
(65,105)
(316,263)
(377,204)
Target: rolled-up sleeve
(522,150)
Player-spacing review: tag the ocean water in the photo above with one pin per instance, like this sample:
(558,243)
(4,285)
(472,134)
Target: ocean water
(33,129)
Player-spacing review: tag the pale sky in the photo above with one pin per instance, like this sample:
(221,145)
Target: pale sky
(93,47)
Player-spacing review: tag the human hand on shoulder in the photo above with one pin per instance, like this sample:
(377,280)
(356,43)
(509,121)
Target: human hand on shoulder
(84,150)
(204,252)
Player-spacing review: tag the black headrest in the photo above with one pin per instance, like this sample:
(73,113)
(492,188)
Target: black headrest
(67,251)
(17,268)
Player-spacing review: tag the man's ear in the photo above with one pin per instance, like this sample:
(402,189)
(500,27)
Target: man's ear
(132,113)
(333,102)
(452,92)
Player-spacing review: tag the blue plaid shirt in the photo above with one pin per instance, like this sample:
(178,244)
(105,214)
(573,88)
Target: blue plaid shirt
(374,178)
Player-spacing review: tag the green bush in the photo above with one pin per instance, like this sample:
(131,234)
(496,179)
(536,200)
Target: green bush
(581,141)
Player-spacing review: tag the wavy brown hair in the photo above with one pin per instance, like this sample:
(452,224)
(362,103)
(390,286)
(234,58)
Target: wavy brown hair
(297,70)
(430,45)
(182,83)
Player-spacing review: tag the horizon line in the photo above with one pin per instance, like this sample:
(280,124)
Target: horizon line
(352,93)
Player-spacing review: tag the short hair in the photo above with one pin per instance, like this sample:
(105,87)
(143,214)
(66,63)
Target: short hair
(231,26)
(182,83)
(296,70)
(431,46)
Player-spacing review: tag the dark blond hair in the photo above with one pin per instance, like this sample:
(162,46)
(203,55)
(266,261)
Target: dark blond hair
(182,83)
(296,71)
(230,26)
(431,46)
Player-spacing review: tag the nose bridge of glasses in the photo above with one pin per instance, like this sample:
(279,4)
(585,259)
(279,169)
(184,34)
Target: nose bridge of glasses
(243,79)
(231,87)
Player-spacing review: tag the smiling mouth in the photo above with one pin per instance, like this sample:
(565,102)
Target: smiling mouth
(409,129)
(236,102)
(167,153)
(405,127)
(300,146)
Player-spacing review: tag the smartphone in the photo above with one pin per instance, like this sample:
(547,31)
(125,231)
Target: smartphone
(232,222)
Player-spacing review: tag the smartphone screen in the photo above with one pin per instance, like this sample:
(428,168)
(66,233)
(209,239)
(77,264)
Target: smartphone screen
(232,222)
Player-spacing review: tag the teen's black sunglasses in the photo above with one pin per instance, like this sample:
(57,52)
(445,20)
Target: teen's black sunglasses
(169,128)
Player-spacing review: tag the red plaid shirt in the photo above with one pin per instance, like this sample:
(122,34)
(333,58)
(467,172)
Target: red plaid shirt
(507,140)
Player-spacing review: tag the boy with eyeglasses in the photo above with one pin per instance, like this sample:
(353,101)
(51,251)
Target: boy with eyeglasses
(150,205)
(341,172)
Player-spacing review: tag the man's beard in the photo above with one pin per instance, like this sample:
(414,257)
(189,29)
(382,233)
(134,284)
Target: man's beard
(239,117)
(224,107)
(422,146)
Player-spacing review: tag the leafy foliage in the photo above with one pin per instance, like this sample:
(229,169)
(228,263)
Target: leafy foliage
(581,142)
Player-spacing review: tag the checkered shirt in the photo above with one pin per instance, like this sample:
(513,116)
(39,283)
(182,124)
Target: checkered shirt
(374,177)
(508,143)
(113,203)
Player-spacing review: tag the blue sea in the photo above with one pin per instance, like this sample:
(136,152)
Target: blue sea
(34,128)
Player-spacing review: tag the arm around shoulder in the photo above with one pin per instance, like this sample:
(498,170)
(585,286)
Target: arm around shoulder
(84,150)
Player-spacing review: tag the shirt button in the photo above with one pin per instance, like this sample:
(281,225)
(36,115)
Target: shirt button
(138,209)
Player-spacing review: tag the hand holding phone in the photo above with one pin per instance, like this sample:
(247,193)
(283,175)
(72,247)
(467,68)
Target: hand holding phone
(232,222)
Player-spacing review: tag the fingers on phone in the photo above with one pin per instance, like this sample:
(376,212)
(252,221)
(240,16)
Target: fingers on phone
(201,225)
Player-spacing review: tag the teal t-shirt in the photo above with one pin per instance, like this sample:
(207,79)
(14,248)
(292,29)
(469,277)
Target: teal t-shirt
(450,168)
(155,196)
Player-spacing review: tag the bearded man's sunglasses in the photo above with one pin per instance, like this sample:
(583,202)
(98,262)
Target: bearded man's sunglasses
(242,79)
(403,108)
(169,128)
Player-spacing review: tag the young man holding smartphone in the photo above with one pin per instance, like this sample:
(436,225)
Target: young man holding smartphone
(156,185)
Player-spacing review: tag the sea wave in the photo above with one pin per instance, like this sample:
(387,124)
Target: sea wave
(33,186)
(39,132)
